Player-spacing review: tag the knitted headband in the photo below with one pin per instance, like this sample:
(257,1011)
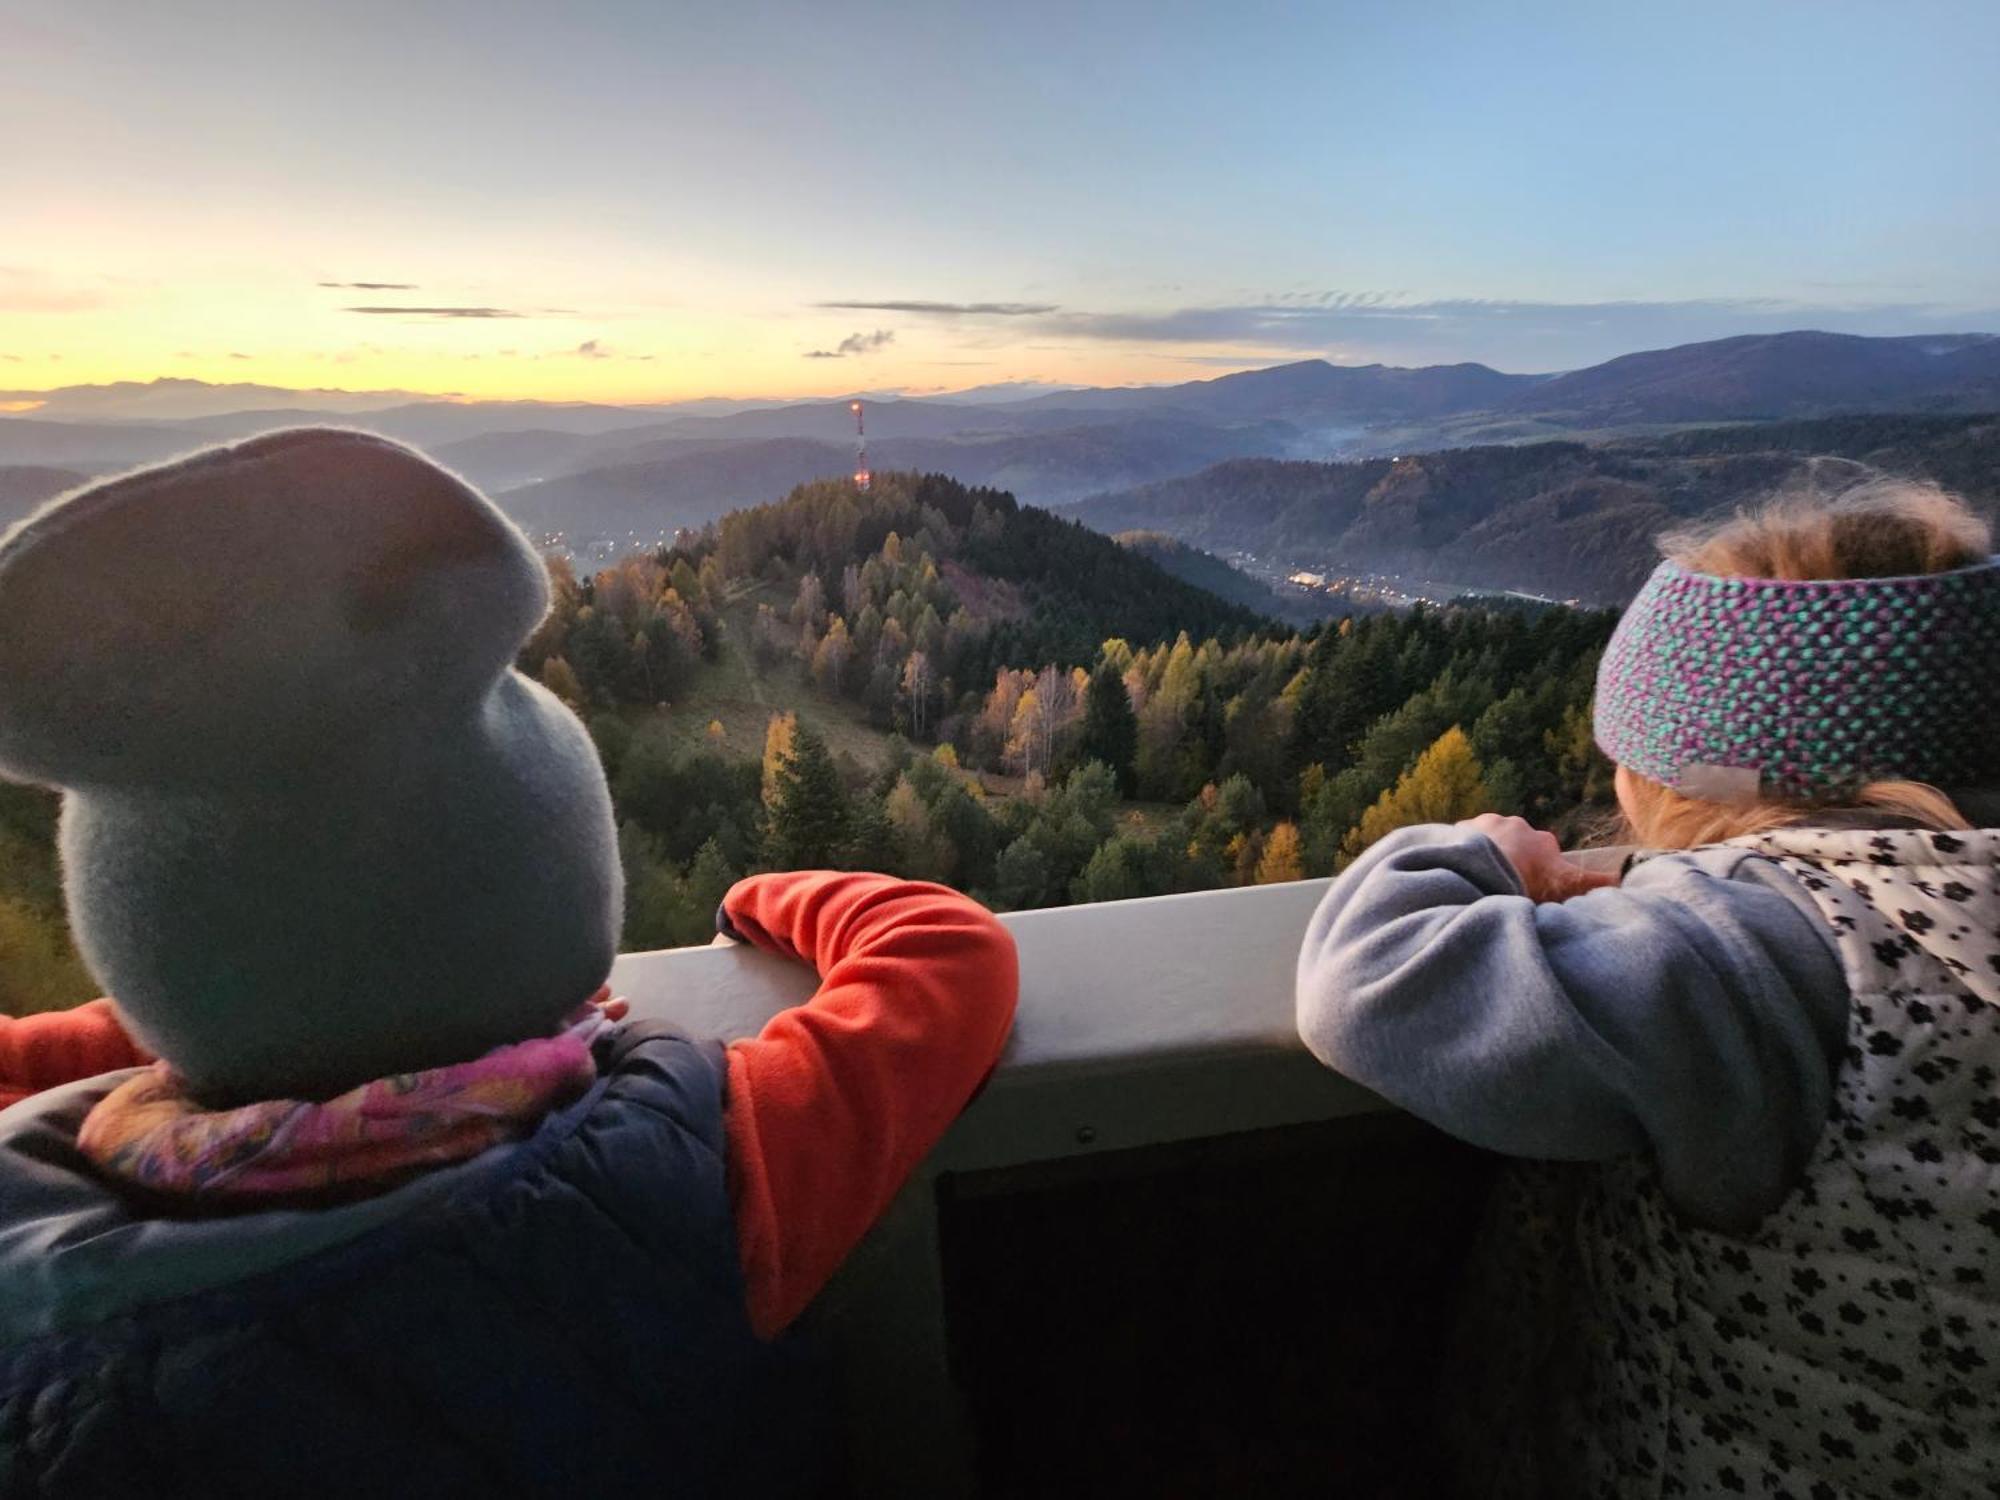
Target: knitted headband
(1734,688)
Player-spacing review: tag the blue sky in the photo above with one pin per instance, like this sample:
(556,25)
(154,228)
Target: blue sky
(622,199)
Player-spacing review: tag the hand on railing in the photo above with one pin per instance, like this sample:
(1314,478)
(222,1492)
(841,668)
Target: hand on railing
(1546,873)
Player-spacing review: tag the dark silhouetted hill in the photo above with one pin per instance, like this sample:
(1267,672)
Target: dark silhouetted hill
(1771,375)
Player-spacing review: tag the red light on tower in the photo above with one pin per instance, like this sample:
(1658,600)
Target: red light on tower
(861,474)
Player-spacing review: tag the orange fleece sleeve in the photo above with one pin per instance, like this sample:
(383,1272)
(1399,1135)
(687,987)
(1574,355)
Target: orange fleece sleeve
(61,1046)
(835,1102)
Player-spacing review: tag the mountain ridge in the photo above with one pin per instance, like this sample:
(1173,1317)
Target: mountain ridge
(1067,446)
(1566,519)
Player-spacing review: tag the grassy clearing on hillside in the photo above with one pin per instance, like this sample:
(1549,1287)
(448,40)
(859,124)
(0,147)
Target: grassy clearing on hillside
(734,692)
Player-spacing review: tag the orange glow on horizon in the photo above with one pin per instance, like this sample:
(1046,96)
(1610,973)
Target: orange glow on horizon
(510,336)
(556,377)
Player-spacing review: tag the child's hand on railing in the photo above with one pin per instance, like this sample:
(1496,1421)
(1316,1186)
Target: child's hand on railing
(1546,874)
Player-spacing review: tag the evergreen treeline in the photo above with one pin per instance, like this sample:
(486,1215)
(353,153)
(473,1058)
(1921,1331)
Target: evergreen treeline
(1287,757)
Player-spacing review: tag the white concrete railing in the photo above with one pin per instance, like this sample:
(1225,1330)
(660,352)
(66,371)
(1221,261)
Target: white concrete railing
(1141,1023)
(1122,988)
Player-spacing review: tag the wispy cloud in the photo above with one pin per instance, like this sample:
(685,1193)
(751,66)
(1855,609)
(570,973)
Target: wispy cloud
(370,286)
(438,312)
(856,343)
(588,349)
(950,309)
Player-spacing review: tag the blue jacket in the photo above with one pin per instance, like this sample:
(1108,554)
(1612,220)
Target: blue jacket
(560,1317)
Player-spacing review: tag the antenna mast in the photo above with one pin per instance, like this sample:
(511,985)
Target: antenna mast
(861,475)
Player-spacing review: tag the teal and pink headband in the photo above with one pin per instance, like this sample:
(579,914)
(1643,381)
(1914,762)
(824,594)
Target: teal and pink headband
(1733,688)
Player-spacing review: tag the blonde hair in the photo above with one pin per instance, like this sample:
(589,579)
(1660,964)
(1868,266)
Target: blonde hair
(1884,529)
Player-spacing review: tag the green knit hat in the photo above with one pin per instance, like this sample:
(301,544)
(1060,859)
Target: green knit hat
(316,829)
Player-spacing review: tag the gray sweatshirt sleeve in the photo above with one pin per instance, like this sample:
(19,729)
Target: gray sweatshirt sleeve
(1698,1011)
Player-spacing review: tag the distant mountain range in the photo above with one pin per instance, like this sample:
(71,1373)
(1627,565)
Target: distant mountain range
(600,472)
(1776,375)
(1572,520)
(690,481)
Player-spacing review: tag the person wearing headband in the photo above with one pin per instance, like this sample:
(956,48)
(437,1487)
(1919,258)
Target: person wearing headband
(1751,1241)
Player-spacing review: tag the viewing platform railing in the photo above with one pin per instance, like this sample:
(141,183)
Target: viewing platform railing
(1153,1036)
(1141,1023)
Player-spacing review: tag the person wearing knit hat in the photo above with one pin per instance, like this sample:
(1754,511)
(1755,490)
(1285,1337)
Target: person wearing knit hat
(364,1181)
(1752,1241)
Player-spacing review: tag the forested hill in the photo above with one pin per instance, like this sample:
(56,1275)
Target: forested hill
(1031,585)
(1567,519)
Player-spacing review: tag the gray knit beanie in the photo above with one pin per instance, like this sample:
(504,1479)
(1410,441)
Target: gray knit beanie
(316,829)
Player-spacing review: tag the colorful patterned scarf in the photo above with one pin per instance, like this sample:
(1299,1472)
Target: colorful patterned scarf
(149,1132)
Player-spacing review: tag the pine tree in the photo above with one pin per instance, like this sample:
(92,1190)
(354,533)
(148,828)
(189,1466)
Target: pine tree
(1022,875)
(1444,786)
(710,876)
(871,841)
(1110,728)
(923,850)
(809,821)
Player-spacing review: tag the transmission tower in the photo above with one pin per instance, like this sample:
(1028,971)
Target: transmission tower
(861,474)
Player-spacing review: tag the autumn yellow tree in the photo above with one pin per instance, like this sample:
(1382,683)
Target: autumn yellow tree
(560,678)
(1283,858)
(565,599)
(778,737)
(1445,785)
(829,663)
(1024,742)
(1240,854)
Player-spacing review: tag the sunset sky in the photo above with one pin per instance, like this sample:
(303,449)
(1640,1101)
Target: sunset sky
(651,201)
